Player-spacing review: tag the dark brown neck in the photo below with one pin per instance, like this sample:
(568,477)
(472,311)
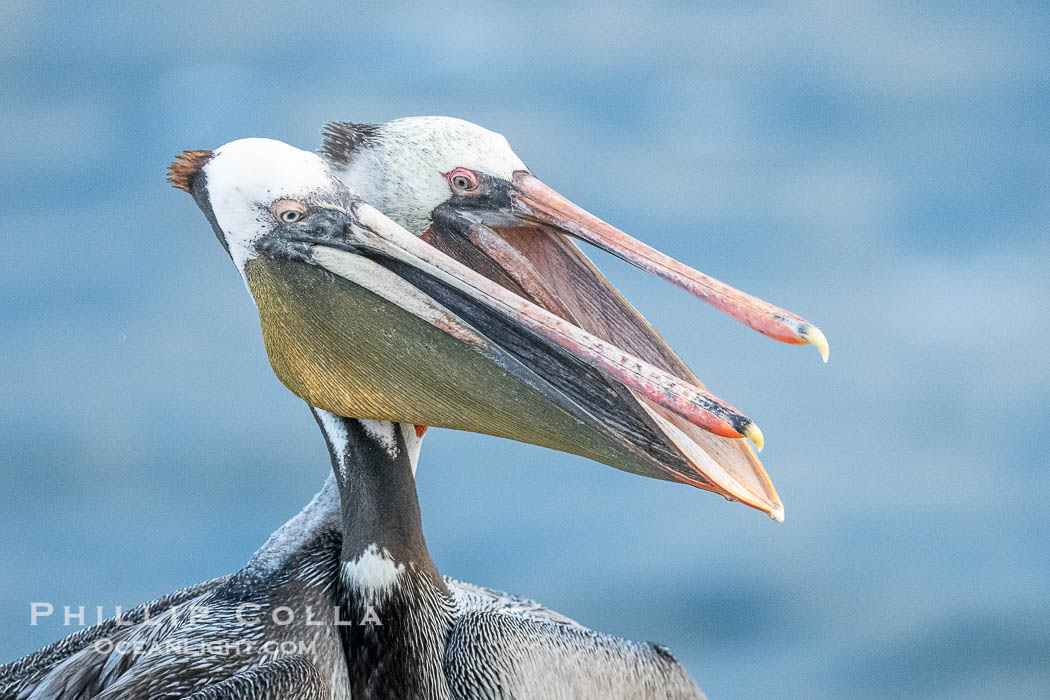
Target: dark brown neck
(393,602)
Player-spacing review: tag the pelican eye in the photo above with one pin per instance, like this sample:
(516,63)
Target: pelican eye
(288,211)
(463,180)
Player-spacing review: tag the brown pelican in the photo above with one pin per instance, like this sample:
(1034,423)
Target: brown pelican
(460,180)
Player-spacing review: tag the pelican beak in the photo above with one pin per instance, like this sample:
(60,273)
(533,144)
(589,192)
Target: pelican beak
(536,203)
(398,330)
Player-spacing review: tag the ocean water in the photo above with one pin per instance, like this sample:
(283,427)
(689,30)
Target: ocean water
(882,169)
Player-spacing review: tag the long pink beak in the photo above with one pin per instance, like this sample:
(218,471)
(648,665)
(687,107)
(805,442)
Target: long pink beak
(535,201)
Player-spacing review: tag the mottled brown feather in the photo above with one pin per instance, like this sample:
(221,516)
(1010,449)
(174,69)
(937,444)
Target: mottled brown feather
(185,167)
(339,139)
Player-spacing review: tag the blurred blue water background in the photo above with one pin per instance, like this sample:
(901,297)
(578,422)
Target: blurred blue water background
(880,168)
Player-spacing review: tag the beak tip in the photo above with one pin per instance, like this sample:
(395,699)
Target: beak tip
(754,434)
(817,339)
(777,513)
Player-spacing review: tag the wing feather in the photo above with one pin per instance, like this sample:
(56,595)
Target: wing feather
(493,654)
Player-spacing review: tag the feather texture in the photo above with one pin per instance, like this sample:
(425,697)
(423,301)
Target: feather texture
(438,637)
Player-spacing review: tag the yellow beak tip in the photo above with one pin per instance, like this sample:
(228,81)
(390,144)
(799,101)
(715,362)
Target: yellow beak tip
(816,338)
(754,434)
